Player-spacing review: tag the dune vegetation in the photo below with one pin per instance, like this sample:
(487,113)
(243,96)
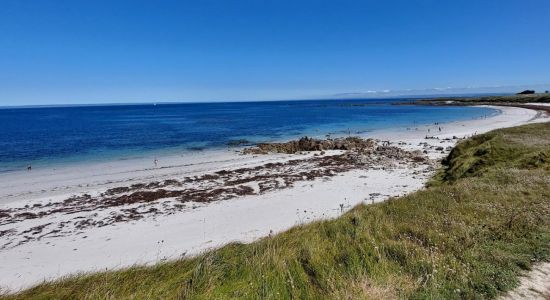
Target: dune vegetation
(482,220)
(517,100)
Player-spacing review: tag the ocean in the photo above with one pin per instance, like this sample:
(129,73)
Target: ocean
(58,135)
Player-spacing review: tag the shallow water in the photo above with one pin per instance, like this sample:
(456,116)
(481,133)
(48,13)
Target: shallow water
(50,135)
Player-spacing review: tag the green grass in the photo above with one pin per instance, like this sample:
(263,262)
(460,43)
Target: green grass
(524,147)
(517,99)
(484,219)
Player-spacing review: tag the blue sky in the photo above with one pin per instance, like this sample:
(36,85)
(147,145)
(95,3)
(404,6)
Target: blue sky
(97,51)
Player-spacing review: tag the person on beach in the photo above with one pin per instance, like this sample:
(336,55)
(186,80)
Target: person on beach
(29,168)
(156,161)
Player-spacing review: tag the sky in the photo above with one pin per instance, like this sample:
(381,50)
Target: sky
(76,52)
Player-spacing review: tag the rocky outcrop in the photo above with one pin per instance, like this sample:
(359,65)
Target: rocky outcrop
(236,143)
(361,150)
(310,144)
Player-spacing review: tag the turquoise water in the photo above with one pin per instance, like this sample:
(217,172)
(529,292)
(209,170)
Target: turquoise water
(49,135)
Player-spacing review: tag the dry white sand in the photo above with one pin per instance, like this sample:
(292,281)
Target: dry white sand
(534,285)
(203,226)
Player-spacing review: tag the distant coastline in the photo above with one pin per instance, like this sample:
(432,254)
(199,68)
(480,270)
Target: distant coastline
(487,99)
(335,97)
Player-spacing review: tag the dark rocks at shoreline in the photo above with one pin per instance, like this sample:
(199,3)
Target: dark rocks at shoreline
(195,148)
(310,144)
(361,150)
(240,142)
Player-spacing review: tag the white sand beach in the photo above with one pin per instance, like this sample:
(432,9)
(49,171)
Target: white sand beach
(57,233)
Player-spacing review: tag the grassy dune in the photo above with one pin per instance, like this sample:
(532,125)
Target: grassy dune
(483,220)
(509,99)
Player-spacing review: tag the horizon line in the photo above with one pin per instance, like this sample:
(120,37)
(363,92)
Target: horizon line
(175,102)
(369,94)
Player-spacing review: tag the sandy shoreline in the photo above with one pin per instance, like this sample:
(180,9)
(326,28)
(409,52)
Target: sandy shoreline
(57,242)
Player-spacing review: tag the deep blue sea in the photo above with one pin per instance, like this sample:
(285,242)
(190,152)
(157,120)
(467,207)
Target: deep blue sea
(44,135)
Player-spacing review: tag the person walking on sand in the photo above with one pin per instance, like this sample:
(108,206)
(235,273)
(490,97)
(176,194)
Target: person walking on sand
(156,161)
(29,168)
